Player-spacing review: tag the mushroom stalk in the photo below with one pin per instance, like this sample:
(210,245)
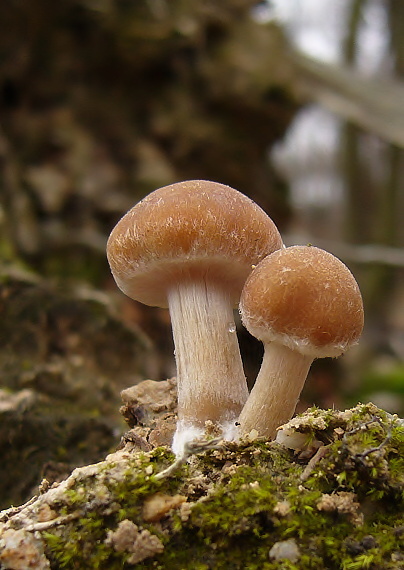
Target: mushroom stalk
(276,391)
(210,377)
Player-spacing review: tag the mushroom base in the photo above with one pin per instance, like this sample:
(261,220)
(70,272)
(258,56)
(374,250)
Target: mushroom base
(186,432)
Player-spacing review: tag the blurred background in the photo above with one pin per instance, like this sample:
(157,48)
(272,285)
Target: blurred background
(299,104)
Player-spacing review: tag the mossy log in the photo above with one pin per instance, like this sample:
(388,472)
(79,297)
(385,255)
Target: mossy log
(335,502)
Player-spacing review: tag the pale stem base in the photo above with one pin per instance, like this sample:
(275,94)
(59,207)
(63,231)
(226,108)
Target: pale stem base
(276,391)
(210,376)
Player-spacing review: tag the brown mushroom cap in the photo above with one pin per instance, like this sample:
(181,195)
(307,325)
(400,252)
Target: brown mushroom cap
(305,298)
(189,230)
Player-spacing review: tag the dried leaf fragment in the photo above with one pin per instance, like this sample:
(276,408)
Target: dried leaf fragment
(158,505)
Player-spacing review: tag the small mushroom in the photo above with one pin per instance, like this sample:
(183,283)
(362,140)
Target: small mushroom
(302,303)
(189,247)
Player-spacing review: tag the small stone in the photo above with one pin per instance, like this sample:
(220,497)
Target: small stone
(285,550)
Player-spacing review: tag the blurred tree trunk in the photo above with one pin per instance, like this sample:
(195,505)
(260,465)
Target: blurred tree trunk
(396,27)
(357,190)
(390,206)
(373,201)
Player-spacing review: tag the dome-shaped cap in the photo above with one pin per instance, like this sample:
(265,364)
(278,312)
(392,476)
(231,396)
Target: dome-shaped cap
(305,298)
(191,229)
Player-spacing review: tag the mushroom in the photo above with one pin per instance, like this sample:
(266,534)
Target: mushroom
(302,303)
(190,247)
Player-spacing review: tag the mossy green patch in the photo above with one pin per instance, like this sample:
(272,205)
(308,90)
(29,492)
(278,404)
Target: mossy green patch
(343,511)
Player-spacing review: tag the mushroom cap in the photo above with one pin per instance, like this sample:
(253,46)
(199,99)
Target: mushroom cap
(190,230)
(304,298)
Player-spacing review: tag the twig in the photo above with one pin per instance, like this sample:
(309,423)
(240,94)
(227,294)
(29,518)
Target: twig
(362,427)
(5,515)
(375,419)
(190,448)
(377,448)
(39,526)
(320,453)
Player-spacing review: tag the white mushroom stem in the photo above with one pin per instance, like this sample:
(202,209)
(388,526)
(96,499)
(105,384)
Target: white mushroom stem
(210,377)
(276,391)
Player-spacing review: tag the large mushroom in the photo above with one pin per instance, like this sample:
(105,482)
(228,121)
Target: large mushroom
(190,247)
(302,303)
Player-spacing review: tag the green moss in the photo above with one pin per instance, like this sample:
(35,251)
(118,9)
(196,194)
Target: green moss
(125,496)
(369,460)
(245,498)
